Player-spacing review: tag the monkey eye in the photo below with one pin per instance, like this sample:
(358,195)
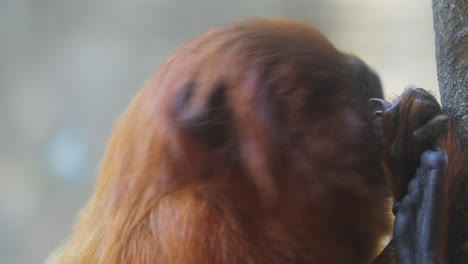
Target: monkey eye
(364,85)
(364,89)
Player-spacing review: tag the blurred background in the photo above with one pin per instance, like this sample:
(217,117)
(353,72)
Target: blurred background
(68,69)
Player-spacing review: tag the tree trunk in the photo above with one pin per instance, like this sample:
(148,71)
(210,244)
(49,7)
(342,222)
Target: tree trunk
(451,35)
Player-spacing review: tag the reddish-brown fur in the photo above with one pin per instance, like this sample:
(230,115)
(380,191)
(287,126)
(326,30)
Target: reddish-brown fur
(297,180)
(454,175)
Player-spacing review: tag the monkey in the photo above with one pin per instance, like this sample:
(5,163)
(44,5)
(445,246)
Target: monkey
(256,143)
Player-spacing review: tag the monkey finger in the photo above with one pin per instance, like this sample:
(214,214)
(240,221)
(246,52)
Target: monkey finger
(433,160)
(429,100)
(430,131)
(416,186)
(403,238)
(429,219)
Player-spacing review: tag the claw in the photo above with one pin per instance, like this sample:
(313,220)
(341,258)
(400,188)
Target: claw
(379,105)
(380,102)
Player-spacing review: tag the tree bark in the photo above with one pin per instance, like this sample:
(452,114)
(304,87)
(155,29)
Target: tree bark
(451,32)
(451,37)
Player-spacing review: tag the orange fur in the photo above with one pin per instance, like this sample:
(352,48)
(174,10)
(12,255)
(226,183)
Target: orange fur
(297,179)
(454,175)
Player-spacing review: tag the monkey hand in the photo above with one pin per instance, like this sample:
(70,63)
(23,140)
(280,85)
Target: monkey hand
(417,222)
(408,127)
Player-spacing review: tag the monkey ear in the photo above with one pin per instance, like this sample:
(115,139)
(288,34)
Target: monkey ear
(210,123)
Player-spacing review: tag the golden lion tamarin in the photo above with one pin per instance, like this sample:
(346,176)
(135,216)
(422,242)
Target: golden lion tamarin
(255,143)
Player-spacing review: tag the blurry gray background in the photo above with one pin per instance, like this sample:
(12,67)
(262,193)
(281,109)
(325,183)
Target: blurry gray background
(69,68)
